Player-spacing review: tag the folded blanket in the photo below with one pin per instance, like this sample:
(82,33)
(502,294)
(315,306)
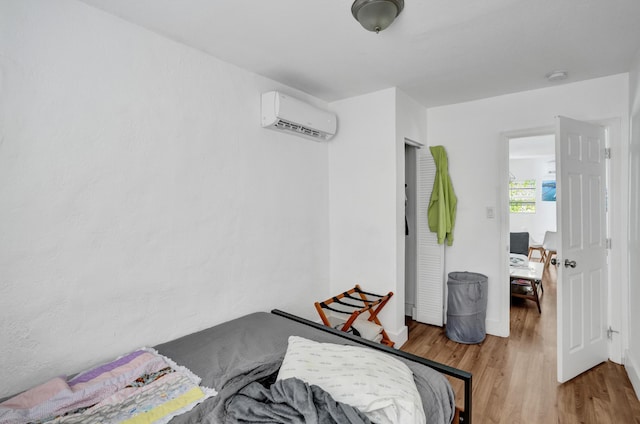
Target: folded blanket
(139,384)
(289,401)
(363,327)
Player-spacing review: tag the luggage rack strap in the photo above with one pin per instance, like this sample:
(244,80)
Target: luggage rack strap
(373,306)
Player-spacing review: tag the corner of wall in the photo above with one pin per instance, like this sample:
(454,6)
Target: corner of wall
(497,328)
(632,352)
(399,336)
(633,372)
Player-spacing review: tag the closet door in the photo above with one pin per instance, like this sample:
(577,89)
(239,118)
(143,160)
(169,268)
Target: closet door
(430,281)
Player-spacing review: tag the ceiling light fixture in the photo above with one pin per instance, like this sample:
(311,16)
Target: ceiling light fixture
(376,15)
(555,76)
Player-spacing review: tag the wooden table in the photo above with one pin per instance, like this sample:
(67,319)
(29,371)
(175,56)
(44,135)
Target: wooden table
(526,282)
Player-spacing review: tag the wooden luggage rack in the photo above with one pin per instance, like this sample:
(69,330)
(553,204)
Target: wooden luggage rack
(361,302)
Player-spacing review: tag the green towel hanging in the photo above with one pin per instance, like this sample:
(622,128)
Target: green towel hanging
(442,205)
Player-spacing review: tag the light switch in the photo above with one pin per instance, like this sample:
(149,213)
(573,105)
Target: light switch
(491,212)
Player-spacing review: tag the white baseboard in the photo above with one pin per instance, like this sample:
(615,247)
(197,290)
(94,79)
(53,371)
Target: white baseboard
(496,328)
(633,371)
(399,337)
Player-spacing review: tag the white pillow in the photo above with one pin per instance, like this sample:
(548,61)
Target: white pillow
(379,385)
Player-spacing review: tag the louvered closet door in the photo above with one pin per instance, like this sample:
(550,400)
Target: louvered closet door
(430,281)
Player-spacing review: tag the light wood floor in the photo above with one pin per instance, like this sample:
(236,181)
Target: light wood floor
(514,379)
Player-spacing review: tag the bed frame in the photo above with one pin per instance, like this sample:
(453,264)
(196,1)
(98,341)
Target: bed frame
(461,417)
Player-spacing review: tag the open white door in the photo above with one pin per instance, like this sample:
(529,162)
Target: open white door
(582,263)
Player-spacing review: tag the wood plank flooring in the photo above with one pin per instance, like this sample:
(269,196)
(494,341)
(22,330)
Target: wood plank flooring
(514,379)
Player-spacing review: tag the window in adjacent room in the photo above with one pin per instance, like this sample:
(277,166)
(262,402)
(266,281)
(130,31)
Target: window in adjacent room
(522,196)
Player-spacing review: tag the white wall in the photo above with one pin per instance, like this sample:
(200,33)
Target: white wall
(139,197)
(362,199)
(366,174)
(632,357)
(544,219)
(471,133)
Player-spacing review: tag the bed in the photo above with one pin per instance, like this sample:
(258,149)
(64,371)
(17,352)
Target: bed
(246,361)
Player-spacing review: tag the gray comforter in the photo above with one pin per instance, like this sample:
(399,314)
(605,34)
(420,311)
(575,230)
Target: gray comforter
(289,401)
(231,356)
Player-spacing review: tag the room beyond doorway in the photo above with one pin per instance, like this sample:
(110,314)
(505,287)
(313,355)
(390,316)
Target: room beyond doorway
(532,178)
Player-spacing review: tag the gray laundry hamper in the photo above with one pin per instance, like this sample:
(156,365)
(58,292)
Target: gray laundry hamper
(466,307)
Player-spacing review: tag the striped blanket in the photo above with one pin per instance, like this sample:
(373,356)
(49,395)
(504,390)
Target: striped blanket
(140,387)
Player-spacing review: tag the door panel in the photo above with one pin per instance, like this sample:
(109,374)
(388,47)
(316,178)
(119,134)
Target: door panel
(596,316)
(576,296)
(582,288)
(430,284)
(573,203)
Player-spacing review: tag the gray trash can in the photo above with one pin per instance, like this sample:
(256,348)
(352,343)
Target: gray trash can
(466,307)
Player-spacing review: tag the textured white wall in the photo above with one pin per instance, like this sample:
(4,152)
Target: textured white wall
(362,187)
(632,361)
(139,197)
(471,134)
(366,172)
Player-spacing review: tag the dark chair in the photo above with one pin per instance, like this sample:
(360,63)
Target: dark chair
(520,243)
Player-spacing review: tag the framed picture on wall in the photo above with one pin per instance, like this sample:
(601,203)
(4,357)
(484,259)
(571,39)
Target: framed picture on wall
(549,191)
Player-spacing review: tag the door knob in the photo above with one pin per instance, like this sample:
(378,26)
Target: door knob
(554,262)
(568,263)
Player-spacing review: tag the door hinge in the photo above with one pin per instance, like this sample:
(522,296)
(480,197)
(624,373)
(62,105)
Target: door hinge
(610,332)
(608,243)
(607,153)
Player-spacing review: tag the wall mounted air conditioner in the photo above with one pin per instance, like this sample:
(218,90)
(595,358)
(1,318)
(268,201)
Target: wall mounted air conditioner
(284,113)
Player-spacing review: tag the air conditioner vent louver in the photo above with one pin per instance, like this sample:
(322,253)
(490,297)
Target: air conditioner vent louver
(284,125)
(290,115)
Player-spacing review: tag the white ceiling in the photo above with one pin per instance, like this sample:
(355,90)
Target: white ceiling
(541,146)
(437,51)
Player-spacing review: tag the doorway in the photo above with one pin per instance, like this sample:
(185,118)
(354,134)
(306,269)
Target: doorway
(581,150)
(411,247)
(424,257)
(532,224)
(532,177)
